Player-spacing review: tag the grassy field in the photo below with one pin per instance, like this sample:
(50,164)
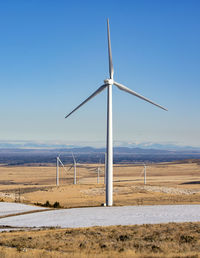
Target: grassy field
(167,183)
(162,240)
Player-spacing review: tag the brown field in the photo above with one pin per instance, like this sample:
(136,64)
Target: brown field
(167,183)
(162,240)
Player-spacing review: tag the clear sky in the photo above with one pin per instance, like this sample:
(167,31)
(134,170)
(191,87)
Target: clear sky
(53,55)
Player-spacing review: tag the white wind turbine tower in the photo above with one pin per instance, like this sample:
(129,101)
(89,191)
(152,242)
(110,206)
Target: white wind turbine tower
(105,169)
(144,173)
(98,171)
(58,162)
(108,83)
(74,165)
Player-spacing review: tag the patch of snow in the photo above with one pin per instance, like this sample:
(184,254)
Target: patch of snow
(106,216)
(8,208)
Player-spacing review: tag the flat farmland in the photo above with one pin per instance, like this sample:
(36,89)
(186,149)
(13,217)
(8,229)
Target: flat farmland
(167,183)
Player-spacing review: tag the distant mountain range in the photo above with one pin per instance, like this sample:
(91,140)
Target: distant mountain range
(23,154)
(119,147)
(170,147)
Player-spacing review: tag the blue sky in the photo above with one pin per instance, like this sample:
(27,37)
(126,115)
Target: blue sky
(54,55)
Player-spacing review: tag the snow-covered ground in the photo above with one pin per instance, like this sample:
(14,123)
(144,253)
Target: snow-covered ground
(8,208)
(105,216)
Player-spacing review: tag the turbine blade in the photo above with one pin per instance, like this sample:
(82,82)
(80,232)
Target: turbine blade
(124,88)
(90,97)
(70,168)
(73,158)
(111,70)
(62,164)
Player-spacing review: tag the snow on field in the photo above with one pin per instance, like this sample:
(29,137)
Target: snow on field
(8,208)
(105,216)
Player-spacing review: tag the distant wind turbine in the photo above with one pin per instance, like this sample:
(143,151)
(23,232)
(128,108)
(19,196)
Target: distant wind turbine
(57,171)
(98,171)
(58,161)
(144,173)
(108,83)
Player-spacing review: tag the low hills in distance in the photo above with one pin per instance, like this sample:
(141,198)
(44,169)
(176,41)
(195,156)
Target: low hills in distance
(84,146)
(44,154)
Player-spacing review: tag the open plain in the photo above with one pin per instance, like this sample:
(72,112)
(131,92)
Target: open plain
(167,183)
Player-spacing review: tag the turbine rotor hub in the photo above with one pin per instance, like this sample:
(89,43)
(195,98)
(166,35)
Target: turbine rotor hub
(108,81)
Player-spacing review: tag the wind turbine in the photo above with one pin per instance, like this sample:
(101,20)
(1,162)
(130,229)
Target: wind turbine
(98,171)
(57,171)
(74,165)
(144,173)
(58,161)
(108,83)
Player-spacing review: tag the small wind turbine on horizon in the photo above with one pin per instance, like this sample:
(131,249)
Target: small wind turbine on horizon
(144,173)
(108,83)
(98,171)
(58,162)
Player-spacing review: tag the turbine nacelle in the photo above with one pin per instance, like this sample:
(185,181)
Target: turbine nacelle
(109,81)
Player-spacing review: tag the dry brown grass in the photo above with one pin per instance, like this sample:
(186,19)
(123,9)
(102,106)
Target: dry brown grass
(37,185)
(162,240)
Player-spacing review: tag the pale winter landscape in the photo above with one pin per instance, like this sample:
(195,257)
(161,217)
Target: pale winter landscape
(171,195)
(99,142)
